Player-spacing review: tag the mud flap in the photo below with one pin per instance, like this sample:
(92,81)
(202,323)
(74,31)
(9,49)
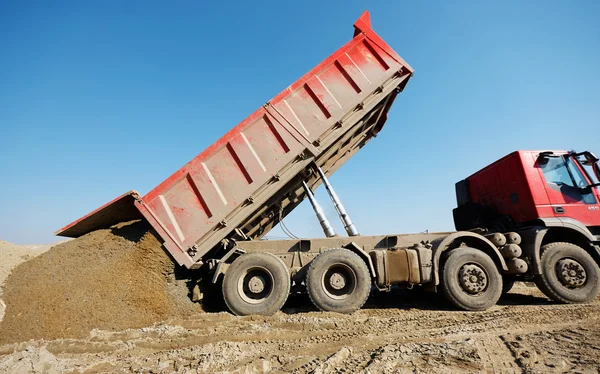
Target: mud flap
(364,255)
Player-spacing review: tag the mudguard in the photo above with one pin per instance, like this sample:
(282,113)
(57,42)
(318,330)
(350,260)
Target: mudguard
(470,239)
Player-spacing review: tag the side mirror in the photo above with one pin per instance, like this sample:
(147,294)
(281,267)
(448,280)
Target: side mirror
(591,158)
(596,169)
(587,160)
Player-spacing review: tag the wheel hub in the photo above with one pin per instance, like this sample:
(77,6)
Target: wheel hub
(571,273)
(472,278)
(337,281)
(256,284)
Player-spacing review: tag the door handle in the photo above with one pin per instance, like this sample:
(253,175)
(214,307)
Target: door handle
(559,210)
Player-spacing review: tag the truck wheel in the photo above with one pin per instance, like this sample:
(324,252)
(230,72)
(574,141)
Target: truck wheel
(470,279)
(338,280)
(569,274)
(256,283)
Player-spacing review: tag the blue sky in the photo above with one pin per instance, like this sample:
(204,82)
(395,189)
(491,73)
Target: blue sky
(100,97)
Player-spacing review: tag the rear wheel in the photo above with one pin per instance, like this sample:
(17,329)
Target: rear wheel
(338,280)
(470,279)
(256,283)
(569,274)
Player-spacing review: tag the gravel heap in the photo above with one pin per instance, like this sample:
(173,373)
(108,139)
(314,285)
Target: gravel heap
(12,255)
(109,279)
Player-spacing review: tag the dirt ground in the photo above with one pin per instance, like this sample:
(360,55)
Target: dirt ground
(397,332)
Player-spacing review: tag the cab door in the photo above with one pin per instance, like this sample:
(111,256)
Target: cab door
(568,190)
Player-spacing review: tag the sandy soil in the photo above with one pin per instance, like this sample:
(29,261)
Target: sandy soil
(12,255)
(111,279)
(397,332)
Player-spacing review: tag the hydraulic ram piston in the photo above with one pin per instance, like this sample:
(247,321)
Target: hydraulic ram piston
(327,229)
(348,225)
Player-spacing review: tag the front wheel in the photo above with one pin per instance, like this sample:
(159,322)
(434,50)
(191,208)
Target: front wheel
(470,279)
(569,274)
(256,283)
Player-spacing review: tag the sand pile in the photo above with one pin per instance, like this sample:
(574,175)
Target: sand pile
(108,279)
(12,255)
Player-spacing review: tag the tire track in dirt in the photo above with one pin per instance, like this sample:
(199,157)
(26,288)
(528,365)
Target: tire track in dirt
(373,339)
(496,356)
(570,348)
(446,326)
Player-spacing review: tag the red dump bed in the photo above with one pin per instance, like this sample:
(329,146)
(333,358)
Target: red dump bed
(243,184)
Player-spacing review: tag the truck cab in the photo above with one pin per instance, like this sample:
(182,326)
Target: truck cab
(570,182)
(552,200)
(524,187)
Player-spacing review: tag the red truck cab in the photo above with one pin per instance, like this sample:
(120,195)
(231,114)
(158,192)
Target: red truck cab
(552,201)
(527,186)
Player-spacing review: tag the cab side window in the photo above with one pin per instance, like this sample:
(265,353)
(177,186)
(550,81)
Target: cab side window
(555,171)
(565,177)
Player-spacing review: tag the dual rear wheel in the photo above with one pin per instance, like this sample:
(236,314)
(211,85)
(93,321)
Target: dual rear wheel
(256,283)
(259,283)
(338,280)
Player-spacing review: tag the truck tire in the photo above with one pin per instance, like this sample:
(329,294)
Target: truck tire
(470,279)
(338,280)
(569,274)
(256,283)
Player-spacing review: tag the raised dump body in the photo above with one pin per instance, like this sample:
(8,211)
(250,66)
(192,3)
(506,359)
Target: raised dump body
(248,180)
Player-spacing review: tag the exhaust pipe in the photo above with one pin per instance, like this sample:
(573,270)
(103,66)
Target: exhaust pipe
(348,225)
(327,229)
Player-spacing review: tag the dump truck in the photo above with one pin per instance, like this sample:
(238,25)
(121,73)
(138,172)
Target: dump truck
(213,213)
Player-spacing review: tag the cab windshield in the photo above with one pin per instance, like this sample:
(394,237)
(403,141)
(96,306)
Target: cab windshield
(564,174)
